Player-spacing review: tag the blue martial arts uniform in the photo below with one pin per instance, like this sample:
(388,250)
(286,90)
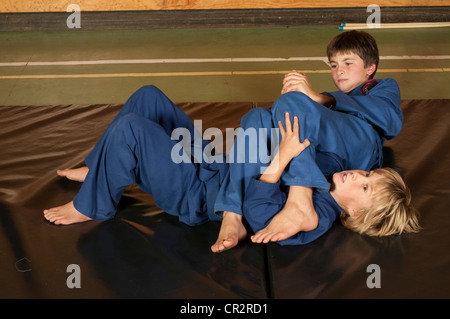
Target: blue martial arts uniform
(354,129)
(262,201)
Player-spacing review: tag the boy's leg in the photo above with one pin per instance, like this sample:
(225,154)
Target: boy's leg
(139,150)
(152,104)
(247,158)
(148,102)
(249,154)
(351,138)
(298,214)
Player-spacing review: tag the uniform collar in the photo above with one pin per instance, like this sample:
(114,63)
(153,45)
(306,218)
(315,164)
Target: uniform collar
(364,88)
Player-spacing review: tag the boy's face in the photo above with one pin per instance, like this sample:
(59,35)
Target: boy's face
(348,71)
(353,190)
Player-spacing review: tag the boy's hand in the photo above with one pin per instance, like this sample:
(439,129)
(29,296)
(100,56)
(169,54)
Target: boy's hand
(297,82)
(290,145)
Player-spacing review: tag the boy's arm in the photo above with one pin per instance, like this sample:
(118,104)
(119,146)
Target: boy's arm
(290,147)
(298,82)
(380,106)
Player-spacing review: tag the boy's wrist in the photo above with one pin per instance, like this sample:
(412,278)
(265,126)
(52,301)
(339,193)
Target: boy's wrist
(328,100)
(284,157)
(325,100)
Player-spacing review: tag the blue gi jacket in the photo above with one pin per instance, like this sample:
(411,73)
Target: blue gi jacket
(378,105)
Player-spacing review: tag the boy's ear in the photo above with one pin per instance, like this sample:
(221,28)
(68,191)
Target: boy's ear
(353,213)
(371,69)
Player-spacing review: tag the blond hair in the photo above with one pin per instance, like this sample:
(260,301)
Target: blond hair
(391,211)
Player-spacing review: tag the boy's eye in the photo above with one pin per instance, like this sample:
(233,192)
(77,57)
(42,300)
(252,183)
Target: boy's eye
(365,188)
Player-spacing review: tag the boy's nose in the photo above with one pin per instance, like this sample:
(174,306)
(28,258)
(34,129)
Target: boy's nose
(357,174)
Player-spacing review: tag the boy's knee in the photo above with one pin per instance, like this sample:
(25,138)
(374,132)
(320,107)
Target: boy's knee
(296,103)
(256,117)
(128,120)
(145,100)
(149,89)
(133,122)
(135,125)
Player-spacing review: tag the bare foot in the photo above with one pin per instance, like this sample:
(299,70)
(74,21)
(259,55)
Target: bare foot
(74,174)
(65,215)
(288,222)
(231,232)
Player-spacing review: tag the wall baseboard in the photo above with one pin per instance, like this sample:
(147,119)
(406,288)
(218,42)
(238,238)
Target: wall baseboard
(144,20)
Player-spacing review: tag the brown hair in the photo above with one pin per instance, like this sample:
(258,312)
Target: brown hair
(358,42)
(391,211)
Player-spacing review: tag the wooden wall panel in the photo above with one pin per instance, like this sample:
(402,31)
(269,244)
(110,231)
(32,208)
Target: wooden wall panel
(14,6)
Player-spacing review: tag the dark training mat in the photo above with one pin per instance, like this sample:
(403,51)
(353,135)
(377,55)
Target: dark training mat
(145,253)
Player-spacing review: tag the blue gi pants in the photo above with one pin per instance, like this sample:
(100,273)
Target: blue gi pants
(247,158)
(349,137)
(137,148)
